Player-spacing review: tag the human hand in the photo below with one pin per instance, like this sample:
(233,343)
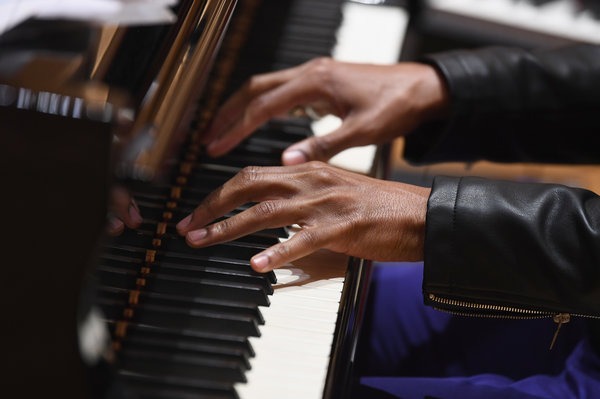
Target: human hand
(336,209)
(377,103)
(123,211)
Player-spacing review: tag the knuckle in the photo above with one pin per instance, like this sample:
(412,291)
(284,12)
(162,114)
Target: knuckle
(249,174)
(282,251)
(321,65)
(253,84)
(324,173)
(258,109)
(320,70)
(221,228)
(309,238)
(266,208)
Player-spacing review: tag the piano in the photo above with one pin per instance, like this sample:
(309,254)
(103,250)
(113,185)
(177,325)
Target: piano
(86,106)
(526,23)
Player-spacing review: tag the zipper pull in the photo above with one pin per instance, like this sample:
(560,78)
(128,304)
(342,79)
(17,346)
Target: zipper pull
(559,319)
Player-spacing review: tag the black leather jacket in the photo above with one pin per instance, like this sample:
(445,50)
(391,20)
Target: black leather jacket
(503,247)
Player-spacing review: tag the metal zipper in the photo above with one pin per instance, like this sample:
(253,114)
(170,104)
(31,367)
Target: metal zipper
(506,312)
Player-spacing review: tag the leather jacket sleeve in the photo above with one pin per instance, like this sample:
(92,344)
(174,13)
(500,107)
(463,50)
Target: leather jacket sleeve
(514,105)
(519,249)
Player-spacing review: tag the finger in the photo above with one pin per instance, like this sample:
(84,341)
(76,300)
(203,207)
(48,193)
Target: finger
(303,243)
(263,107)
(114,226)
(252,184)
(264,215)
(235,106)
(322,148)
(134,218)
(124,208)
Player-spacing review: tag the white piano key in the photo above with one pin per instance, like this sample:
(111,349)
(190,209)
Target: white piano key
(370,34)
(560,18)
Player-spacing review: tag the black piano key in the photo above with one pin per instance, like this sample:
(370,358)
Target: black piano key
(275,149)
(181,365)
(135,238)
(232,249)
(175,285)
(150,386)
(245,247)
(208,265)
(195,318)
(237,275)
(209,350)
(198,259)
(189,258)
(243,309)
(241,156)
(201,337)
(539,2)
(239,160)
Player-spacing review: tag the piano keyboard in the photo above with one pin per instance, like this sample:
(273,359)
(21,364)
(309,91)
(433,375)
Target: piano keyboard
(199,322)
(526,22)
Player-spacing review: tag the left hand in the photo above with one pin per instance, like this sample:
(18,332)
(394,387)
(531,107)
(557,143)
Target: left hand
(337,210)
(123,212)
(376,103)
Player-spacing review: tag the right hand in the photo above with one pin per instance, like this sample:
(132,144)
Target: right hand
(377,103)
(338,210)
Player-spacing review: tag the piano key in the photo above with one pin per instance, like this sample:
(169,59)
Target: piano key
(165,364)
(246,309)
(175,387)
(556,22)
(237,275)
(211,319)
(195,287)
(193,259)
(201,337)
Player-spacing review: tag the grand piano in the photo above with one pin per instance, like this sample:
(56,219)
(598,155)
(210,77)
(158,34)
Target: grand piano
(86,107)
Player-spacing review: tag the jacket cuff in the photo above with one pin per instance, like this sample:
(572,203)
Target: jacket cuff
(441,255)
(481,79)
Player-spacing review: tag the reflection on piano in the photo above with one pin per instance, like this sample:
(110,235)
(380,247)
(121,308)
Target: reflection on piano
(144,315)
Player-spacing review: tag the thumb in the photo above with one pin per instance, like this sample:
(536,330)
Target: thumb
(311,149)
(316,148)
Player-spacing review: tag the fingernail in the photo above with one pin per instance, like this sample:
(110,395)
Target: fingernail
(294,157)
(213,146)
(183,223)
(197,235)
(260,262)
(134,214)
(115,225)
